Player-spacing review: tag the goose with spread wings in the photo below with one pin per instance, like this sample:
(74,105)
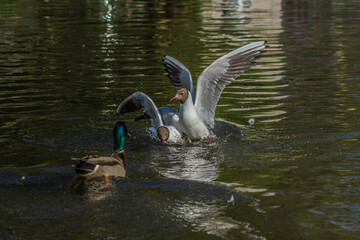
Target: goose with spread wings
(196,118)
(161,118)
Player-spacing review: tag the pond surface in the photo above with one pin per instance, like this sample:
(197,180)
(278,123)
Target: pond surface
(293,174)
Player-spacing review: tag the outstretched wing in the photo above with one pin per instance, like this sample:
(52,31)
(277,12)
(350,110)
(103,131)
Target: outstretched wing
(220,73)
(167,114)
(137,101)
(179,75)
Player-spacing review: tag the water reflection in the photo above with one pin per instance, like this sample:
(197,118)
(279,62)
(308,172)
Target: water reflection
(208,217)
(227,8)
(197,162)
(95,189)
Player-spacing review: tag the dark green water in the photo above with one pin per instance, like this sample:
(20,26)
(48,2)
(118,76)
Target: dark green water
(294,174)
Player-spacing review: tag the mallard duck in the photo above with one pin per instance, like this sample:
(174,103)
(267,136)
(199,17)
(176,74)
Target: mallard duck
(196,118)
(115,165)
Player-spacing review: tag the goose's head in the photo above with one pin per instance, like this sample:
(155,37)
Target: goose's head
(163,133)
(182,95)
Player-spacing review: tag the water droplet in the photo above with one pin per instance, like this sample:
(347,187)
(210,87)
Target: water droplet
(251,121)
(232,200)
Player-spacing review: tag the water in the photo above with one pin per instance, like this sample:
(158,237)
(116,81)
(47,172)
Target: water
(293,173)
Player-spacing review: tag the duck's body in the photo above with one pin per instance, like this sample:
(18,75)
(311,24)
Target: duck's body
(196,118)
(114,165)
(94,166)
(162,125)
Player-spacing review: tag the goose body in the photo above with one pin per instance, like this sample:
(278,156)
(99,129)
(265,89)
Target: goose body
(162,125)
(114,165)
(196,118)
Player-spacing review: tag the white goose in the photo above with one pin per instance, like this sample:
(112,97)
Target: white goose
(197,113)
(161,118)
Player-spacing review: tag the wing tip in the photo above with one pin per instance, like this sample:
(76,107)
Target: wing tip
(266,44)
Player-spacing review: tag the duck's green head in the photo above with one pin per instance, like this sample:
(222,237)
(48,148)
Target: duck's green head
(119,132)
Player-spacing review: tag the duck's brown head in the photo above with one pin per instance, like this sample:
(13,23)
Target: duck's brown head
(182,95)
(163,133)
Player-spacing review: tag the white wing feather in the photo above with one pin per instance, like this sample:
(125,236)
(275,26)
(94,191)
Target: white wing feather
(220,73)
